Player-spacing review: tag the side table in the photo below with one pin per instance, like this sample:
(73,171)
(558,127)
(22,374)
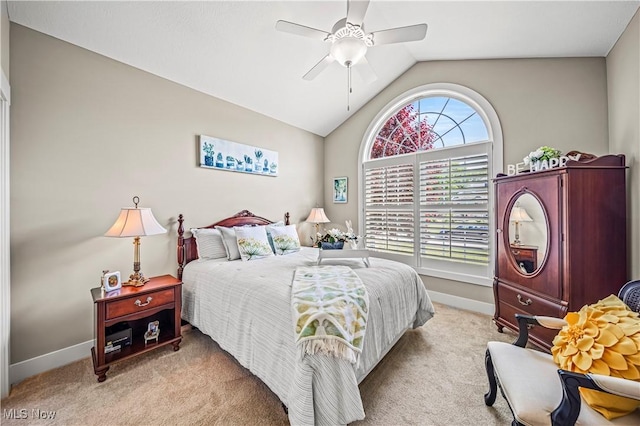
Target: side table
(159,302)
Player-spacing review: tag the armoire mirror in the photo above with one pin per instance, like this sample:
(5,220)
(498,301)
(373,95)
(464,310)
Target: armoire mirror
(528,234)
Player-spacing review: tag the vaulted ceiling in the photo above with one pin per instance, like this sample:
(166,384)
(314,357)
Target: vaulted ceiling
(231,50)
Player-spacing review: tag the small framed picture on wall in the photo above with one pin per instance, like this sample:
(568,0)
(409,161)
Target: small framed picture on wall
(340,190)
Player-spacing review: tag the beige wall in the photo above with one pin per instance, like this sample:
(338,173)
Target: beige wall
(4,38)
(556,102)
(623,82)
(89,133)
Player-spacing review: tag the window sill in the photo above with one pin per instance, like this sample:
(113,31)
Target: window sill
(456,276)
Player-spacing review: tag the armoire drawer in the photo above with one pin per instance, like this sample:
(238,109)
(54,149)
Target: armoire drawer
(526,302)
(542,336)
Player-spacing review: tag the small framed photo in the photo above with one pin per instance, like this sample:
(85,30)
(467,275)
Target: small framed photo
(111,281)
(152,328)
(153,331)
(340,190)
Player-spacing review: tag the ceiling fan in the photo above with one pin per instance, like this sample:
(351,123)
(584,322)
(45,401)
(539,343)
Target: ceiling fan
(349,41)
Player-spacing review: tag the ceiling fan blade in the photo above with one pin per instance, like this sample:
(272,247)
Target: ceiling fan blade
(356,11)
(365,71)
(401,34)
(318,68)
(290,27)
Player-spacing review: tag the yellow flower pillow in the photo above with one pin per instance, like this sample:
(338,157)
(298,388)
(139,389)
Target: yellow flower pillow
(603,338)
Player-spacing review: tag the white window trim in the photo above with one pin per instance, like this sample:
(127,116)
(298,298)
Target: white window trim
(490,117)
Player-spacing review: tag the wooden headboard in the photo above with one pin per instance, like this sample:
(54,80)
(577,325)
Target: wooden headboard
(187,248)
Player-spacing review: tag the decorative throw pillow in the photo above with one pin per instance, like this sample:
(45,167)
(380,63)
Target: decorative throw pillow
(230,242)
(210,244)
(603,338)
(285,239)
(252,242)
(269,228)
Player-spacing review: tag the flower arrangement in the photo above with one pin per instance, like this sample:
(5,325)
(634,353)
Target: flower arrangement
(541,154)
(335,235)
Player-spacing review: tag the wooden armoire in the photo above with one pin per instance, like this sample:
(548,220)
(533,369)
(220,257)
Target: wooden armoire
(561,240)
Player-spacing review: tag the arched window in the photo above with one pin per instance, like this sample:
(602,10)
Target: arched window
(429,123)
(426,196)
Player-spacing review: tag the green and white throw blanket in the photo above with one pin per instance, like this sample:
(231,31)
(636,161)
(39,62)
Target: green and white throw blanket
(330,308)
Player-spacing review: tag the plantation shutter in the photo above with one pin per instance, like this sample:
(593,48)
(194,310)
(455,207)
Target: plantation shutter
(389,208)
(454,209)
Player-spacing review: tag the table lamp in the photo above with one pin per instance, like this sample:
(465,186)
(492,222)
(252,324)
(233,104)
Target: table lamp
(317,216)
(519,214)
(135,222)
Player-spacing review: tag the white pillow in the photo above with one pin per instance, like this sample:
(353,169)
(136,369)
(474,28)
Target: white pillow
(230,242)
(252,242)
(210,244)
(269,237)
(285,239)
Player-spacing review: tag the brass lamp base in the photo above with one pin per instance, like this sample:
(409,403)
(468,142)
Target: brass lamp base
(136,279)
(517,241)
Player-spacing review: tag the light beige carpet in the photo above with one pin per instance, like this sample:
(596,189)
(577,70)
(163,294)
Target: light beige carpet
(434,376)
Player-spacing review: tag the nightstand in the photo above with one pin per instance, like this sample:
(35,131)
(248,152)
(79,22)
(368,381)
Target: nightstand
(131,309)
(528,254)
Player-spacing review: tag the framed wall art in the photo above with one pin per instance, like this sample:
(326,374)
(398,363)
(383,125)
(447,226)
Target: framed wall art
(340,190)
(236,157)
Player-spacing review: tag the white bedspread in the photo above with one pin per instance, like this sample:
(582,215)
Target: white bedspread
(245,307)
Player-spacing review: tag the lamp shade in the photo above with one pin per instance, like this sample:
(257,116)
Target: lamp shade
(519,214)
(135,222)
(317,216)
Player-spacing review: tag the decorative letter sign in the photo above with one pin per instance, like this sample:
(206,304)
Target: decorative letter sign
(542,165)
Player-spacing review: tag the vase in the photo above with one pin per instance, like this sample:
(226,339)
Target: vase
(208,161)
(338,245)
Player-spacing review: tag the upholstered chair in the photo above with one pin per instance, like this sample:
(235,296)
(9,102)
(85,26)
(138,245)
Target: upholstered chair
(630,295)
(538,392)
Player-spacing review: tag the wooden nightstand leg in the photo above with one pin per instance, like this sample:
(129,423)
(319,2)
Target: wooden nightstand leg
(176,345)
(100,372)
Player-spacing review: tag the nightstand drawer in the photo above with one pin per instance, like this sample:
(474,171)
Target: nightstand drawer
(521,254)
(139,303)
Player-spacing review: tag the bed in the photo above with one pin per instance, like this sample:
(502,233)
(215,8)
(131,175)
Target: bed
(245,307)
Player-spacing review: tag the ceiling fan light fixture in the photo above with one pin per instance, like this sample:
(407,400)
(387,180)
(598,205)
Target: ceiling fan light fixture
(348,50)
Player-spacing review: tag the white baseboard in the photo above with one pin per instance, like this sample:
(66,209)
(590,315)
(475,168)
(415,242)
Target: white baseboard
(30,367)
(462,303)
